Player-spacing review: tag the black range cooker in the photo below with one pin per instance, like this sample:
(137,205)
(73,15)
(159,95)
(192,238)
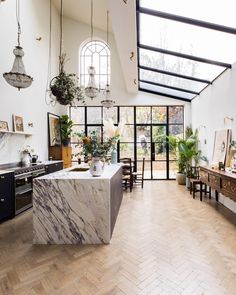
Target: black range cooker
(23,184)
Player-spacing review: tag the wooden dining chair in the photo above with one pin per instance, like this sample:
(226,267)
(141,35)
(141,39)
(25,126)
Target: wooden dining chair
(138,177)
(127,178)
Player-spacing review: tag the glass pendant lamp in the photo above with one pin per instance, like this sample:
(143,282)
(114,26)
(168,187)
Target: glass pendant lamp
(17,77)
(91,90)
(107,102)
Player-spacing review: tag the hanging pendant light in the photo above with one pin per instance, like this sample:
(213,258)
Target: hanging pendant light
(107,102)
(17,77)
(91,90)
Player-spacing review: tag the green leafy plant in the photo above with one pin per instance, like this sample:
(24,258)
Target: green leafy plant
(93,146)
(66,125)
(186,151)
(65,86)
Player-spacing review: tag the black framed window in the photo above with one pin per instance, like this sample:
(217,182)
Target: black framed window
(97,53)
(145,134)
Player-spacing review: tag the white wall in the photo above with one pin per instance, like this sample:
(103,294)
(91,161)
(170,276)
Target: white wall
(30,102)
(75,34)
(210,108)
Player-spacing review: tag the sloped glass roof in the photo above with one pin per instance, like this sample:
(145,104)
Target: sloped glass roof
(183,46)
(218,12)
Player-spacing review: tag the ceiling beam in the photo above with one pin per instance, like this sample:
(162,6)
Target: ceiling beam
(174,74)
(165,95)
(187,20)
(169,87)
(187,56)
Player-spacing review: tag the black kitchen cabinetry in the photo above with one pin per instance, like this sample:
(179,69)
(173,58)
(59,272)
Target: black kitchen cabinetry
(53,167)
(6,195)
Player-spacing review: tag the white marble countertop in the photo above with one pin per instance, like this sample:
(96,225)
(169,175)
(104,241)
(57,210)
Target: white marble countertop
(4,171)
(109,171)
(51,162)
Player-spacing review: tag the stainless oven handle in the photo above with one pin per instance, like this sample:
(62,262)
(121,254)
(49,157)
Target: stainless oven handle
(37,173)
(23,192)
(23,175)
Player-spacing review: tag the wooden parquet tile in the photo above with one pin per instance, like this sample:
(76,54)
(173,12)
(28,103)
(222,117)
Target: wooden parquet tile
(164,242)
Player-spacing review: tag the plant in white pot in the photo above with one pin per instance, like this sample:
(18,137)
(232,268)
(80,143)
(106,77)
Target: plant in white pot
(186,150)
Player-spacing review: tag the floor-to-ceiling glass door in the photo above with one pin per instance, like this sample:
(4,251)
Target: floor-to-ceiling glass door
(145,134)
(151,127)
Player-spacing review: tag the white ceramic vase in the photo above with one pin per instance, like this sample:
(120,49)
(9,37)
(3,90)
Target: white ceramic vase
(96,167)
(25,159)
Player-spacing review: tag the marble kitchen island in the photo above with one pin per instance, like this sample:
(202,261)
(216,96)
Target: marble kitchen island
(71,207)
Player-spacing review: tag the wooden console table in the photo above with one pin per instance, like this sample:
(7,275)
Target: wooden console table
(220,181)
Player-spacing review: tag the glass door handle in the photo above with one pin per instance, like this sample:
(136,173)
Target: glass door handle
(153,156)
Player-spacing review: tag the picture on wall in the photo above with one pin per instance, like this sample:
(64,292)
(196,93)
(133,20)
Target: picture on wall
(221,146)
(4,126)
(18,123)
(54,133)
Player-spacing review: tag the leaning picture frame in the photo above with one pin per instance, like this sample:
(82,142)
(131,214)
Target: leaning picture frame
(4,126)
(18,123)
(54,133)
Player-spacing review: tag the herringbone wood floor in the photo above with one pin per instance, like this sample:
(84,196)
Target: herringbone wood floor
(164,243)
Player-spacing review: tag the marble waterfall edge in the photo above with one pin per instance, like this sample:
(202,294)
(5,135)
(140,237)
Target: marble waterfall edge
(70,208)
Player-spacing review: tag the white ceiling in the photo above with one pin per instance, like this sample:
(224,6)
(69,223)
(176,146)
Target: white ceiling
(80,10)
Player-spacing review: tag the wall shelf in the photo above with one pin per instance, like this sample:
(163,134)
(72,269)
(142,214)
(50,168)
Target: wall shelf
(15,132)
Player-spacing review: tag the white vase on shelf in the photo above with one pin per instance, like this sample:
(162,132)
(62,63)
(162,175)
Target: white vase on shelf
(96,167)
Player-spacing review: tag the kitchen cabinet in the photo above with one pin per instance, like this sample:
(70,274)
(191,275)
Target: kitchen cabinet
(53,167)
(61,153)
(6,195)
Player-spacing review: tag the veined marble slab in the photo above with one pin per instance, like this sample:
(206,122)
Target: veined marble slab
(76,208)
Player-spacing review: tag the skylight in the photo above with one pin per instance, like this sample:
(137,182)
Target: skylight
(183,47)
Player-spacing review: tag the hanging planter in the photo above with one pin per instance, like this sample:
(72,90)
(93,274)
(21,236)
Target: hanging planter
(65,86)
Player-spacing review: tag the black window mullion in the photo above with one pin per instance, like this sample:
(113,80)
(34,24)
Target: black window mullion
(187,56)
(135,140)
(186,20)
(86,121)
(118,143)
(166,95)
(170,87)
(167,145)
(174,74)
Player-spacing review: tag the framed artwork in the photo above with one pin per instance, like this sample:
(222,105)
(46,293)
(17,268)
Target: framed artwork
(54,132)
(221,146)
(18,123)
(4,126)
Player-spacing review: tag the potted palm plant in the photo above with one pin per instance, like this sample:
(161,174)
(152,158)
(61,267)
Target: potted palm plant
(66,125)
(186,150)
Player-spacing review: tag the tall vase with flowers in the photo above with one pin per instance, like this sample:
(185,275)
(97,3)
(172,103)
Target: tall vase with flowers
(110,130)
(93,146)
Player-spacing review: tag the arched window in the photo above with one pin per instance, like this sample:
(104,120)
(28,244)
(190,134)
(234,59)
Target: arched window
(96,53)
